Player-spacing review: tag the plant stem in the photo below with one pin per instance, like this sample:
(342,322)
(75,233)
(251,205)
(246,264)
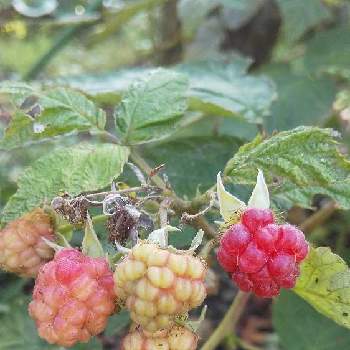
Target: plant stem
(142,164)
(319,217)
(126,190)
(229,322)
(179,205)
(62,40)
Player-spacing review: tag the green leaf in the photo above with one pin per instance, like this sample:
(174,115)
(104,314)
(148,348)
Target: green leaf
(324,283)
(106,87)
(192,163)
(91,246)
(152,107)
(297,164)
(300,16)
(216,87)
(299,326)
(225,89)
(314,97)
(75,169)
(117,323)
(61,111)
(329,51)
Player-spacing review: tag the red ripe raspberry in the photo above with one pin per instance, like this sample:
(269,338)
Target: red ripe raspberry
(157,284)
(73,298)
(254,218)
(262,256)
(178,338)
(22,249)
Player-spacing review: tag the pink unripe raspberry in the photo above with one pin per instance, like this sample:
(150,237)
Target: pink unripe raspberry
(22,249)
(73,298)
(157,284)
(177,338)
(262,256)
(254,218)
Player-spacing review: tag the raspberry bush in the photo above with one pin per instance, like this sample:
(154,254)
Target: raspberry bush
(193,196)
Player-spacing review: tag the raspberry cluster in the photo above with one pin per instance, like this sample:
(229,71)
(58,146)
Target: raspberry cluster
(261,255)
(178,338)
(157,285)
(22,249)
(73,298)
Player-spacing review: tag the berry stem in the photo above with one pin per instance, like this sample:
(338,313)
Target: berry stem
(229,322)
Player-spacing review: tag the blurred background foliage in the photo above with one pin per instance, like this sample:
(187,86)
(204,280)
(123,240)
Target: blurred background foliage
(299,50)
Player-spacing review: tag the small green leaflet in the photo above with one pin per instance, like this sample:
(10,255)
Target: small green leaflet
(324,282)
(152,107)
(297,164)
(86,167)
(58,111)
(91,246)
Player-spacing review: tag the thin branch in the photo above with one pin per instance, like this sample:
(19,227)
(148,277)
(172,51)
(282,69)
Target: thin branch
(163,211)
(319,217)
(142,164)
(229,322)
(209,246)
(186,217)
(147,188)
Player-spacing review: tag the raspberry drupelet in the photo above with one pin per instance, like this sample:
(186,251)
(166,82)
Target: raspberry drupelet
(73,298)
(22,249)
(177,338)
(157,284)
(260,255)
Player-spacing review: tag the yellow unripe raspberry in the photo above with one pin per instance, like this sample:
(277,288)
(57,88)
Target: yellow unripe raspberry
(157,284)
(22,249)
(178,338)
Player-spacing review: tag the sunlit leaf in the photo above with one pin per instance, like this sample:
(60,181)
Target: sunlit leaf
(85,167)
(51,113)
(152,107)
(297,165)
(324,282)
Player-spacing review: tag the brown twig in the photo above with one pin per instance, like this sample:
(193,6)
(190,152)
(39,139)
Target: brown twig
(319,217)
